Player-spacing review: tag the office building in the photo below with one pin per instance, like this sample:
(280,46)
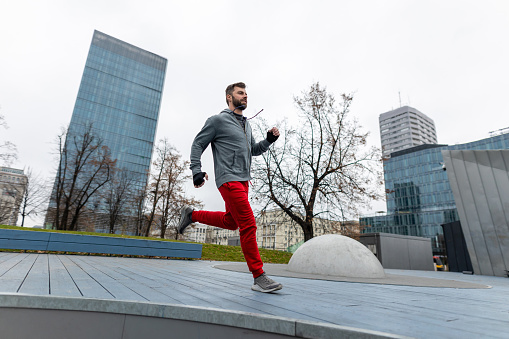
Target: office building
(480,184)
(12,188)
(403,128)
(120,97)
(196,233)
(418,193)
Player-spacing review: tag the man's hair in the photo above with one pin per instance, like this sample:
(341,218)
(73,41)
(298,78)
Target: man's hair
(229,89)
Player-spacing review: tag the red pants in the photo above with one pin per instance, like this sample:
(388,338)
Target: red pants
(238,215)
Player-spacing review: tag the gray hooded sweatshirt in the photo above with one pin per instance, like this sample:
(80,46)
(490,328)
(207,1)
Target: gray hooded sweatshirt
(232,147)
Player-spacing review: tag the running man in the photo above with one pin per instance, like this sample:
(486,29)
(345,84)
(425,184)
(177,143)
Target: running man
(233,145)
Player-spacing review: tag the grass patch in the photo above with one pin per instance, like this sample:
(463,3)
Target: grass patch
(234,253)
(209,251)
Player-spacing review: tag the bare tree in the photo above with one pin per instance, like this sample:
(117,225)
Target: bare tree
(34,197)
(166,188)
(118,195)
(154,192)
(322,168)
(8,151)
(85,166)
(173,194)
(140,210)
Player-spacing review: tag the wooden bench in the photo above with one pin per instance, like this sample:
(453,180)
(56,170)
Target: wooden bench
(63,242)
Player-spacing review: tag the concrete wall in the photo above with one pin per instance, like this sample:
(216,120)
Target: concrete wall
(480,183)
(47,317)
(400,251)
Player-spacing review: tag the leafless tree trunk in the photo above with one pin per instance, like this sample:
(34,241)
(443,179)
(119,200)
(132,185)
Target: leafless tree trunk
(118,194)
(174,196)
(156,179)
(140,204)
(35,196)
(85,167)
(166,185)
(322,168)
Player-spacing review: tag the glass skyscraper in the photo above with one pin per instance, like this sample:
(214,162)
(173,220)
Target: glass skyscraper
(120,97)
(419,197)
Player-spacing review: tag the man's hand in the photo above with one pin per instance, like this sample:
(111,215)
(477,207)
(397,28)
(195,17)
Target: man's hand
(199,179)
(272,135)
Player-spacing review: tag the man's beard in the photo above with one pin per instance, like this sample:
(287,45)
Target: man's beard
(238,104)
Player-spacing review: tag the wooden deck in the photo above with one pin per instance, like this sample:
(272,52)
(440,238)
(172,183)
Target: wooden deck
(421,312)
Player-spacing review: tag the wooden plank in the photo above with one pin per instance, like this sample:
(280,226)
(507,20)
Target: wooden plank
(145,292)
(115,288)
(60,281)
(461,304)
(12,279)
(363,302)
(141,272)
(199,291)
(3,257)
(179,290)
(229,289)
(86,284)
(11,260)
(133,281)
(37,279)
(386,307)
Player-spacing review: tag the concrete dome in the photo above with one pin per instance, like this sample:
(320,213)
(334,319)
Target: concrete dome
(336,255)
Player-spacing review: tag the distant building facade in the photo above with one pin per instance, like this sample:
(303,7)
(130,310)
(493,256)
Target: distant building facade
(196,233)
(403,128)
(418,193)
(120,97)
(12,188)
(276,231)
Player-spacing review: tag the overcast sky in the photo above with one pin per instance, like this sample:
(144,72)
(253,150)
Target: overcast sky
(448,59)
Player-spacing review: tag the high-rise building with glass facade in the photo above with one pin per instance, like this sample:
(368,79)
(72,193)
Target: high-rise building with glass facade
(419,197)
(403,128)
(120,97)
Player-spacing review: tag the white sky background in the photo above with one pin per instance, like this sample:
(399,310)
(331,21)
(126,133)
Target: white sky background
(448,59)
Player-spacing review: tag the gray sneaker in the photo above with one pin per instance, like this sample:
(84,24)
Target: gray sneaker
(185,219)
(265,284)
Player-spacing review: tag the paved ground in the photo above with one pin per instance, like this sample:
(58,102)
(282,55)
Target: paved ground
(281,270)
(421,312)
